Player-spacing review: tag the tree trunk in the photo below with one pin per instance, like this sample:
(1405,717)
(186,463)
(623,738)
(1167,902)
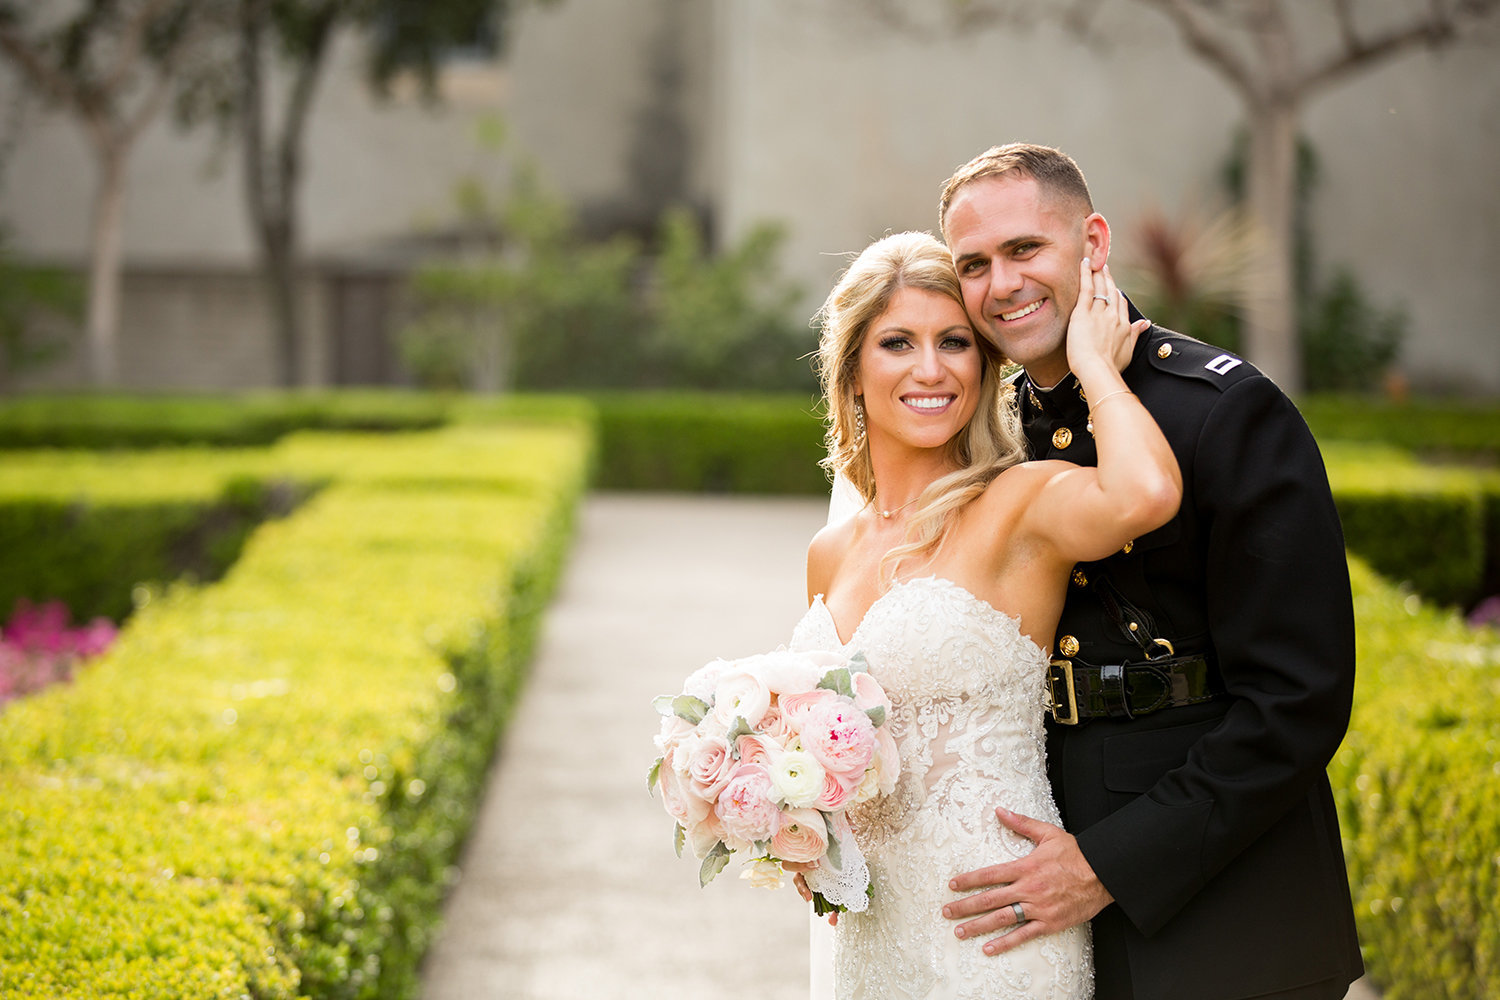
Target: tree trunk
(104,268)
(1271,197)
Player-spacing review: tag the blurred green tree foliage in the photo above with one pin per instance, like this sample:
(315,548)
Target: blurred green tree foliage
(529,302)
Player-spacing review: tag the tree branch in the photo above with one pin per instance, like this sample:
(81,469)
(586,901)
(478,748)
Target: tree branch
(1216,49)
(53,84)
(128,54)
(1439,28)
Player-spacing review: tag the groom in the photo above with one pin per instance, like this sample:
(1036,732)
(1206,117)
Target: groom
(1203,674)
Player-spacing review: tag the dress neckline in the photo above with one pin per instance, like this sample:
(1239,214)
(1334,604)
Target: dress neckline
(942,582)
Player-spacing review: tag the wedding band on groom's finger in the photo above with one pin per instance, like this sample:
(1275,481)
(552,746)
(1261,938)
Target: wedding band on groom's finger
(1020,913)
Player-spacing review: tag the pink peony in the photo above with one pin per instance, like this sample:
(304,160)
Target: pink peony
(745,807)
(802,836)
(841,737)
(795,708)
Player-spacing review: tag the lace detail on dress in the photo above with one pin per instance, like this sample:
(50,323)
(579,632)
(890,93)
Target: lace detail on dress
(967,694)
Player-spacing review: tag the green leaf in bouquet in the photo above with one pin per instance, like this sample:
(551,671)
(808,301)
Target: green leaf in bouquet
(654,774)
(691,710)
(663,704)
(858,664)
(740,728)
(838,681)
(678,839)
(877,715)
(713,863)
(835,855)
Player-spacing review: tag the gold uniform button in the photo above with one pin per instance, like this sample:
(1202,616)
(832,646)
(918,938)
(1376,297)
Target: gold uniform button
(1067,646)
(1062,437)
(1164,351)
(1080,579)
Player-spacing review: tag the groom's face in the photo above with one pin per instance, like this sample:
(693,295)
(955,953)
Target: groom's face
(1017,249)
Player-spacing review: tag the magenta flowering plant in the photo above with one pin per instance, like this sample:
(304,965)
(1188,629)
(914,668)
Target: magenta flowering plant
(762,756)
(39,646)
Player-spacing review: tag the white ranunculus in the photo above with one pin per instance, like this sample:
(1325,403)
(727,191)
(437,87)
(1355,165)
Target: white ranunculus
(797,778)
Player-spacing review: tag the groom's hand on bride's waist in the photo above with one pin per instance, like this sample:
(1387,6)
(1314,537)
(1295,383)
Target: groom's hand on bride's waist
(1054,885)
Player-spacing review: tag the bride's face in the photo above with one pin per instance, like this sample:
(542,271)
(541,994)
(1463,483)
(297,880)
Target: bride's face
(919,371)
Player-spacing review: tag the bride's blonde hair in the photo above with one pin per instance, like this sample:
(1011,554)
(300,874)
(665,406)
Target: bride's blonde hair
(991,441)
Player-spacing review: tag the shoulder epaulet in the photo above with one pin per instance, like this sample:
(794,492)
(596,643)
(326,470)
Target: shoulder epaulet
(1181,355)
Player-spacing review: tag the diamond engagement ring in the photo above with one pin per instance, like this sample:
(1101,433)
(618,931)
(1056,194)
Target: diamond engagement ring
(1020,913)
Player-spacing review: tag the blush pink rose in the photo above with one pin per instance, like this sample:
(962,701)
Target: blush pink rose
(802,836)
(775,726)
(709,765)
(745,806)
(677,795)
(841,737)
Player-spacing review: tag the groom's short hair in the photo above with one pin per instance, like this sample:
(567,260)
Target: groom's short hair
(1052,169)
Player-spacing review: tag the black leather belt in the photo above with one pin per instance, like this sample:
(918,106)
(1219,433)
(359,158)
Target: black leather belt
(1077,691)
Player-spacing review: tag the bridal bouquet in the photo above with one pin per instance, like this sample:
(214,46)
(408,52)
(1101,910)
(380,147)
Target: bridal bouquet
(763,755)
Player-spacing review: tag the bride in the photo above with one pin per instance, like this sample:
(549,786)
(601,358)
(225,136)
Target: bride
(950,579)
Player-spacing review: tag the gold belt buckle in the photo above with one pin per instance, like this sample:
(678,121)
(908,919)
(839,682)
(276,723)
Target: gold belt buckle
(1066,666)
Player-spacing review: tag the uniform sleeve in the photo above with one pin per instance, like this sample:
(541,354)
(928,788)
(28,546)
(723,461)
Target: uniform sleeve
(1282,623)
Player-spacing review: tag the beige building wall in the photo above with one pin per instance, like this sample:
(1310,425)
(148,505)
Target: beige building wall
(845,129)
(808,113)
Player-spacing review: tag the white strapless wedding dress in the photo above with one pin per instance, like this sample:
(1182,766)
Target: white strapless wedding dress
(967,695)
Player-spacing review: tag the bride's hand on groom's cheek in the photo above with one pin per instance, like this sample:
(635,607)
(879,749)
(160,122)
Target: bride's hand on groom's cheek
(1054,885)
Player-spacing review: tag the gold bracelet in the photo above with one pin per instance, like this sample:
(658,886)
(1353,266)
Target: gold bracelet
(1100,401)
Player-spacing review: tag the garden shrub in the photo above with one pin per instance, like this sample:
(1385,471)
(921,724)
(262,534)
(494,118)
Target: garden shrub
(1445,428)
(261,788)
(710,442)
(1418,787)
(254,418)
(1432,526)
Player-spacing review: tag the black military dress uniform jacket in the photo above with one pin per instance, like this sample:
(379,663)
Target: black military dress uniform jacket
(1212,824)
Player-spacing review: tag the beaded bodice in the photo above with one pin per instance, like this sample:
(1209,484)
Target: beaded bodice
(966,691)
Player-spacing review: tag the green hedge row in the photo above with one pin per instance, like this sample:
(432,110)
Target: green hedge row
(1468,429)
(710,442)
(1418,787)
(256,418)
(1435,527)
(260,790)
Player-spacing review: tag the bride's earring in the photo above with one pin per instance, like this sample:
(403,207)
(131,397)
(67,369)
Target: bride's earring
(859,424)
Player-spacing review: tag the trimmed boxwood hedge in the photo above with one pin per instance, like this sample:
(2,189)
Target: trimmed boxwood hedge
(260,790)
(96,421)
(709,442)
(1418,787)
(1435,527)
(1447,428)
